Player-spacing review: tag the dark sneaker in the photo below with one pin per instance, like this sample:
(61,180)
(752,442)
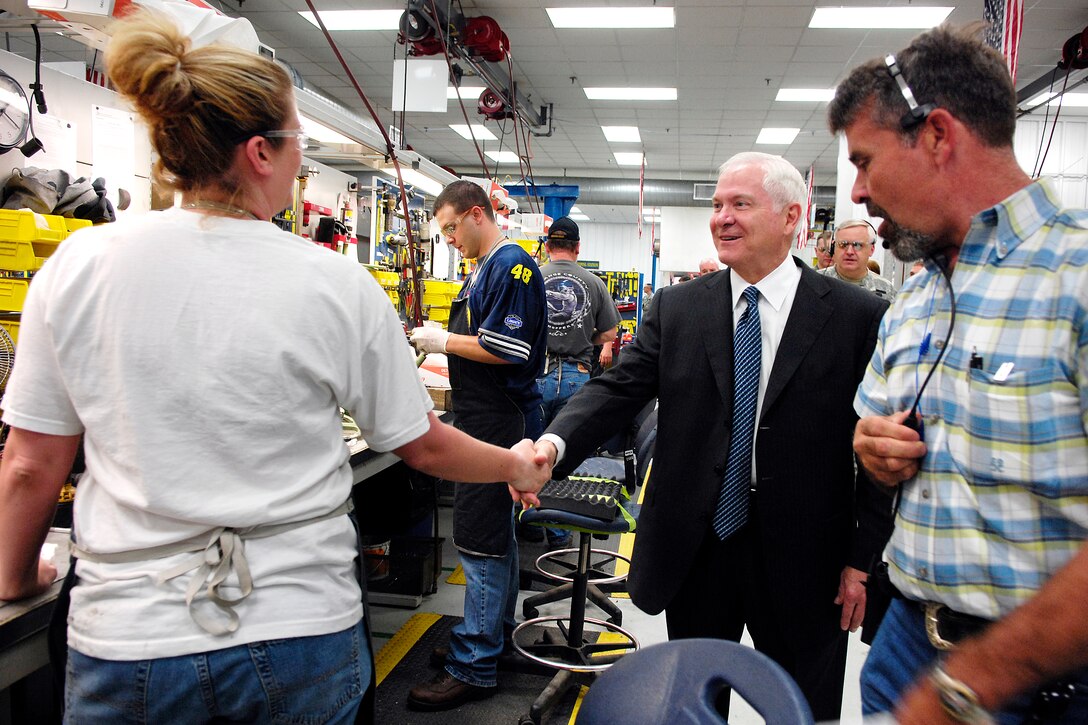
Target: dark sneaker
(445,692)
(559,542)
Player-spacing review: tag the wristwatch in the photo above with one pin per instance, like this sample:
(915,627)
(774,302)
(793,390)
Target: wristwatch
(958,699)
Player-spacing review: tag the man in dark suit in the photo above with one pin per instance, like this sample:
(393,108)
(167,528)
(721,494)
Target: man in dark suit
(792,567)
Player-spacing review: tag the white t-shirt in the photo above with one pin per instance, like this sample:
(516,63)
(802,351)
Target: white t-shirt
(205,358)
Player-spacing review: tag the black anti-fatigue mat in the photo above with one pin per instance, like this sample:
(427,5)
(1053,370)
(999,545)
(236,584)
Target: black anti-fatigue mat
(516,692)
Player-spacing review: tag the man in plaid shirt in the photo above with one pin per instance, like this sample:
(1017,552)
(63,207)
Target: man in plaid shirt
(990,456)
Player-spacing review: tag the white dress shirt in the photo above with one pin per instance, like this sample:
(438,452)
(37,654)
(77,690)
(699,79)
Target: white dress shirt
(776,293)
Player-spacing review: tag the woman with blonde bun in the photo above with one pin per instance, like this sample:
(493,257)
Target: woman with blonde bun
(203,354)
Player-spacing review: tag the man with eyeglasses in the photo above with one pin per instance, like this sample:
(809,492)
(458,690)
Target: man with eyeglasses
(975,405)
(495,345)
(823,250)
(852,246)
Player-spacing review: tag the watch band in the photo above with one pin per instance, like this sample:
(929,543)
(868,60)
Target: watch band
(958,700)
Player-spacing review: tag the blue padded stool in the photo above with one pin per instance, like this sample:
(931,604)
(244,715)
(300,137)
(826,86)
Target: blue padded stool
(570,644)
(679,682)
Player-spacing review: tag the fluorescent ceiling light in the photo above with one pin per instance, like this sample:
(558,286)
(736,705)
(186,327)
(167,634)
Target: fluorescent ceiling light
(910,16)
(470,92)
(1077,100)
(651,217)
(621,134)
(777,135)
(322,133)
(416,179)
(503,157)
(575,210)
(579,217)
(1070,100)
(482,133)
(819,95)
(357,19)
(631,94)
(628,158)
(612,17)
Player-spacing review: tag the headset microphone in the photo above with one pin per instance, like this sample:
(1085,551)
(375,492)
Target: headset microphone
(886,244)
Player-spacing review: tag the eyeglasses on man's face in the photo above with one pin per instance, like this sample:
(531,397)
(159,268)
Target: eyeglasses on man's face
(449,229)
(298,133)
(856,245)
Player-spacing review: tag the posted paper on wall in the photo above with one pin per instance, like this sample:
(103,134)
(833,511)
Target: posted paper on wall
(58,139)
(114,148)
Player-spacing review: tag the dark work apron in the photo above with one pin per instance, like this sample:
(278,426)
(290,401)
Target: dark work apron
(481,511)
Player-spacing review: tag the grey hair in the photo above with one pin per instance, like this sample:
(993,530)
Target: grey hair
(851,223)
(781,180)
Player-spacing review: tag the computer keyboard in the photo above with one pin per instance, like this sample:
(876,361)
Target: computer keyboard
(593,497)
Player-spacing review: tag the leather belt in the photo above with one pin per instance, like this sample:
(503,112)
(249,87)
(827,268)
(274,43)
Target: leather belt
(945,627)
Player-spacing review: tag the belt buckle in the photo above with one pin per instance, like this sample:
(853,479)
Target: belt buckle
(933,632)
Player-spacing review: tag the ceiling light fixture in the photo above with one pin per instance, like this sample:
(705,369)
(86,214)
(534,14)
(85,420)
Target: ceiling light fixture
(322,133)
(579,217)
(503,157)
(417,179)
(879,18)
(357,19)
(631,94)
(612,17)
(481,132)
(466,91)
(803,95)
(622,134)
(575,210)
(780,136)
(631,158)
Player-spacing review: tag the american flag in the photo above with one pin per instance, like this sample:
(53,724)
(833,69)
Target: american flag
(1006,19)
(803,224)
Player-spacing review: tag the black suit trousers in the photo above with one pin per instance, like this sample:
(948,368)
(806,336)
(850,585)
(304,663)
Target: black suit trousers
(727,589)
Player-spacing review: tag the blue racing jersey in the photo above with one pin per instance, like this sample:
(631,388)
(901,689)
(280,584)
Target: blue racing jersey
(507,311)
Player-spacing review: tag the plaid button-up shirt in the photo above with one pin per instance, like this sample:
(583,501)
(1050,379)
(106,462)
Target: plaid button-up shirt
(1001,500)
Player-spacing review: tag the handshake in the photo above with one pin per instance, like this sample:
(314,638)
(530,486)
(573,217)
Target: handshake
(532,469)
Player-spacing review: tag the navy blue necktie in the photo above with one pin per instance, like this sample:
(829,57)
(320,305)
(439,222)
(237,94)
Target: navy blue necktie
(732,510)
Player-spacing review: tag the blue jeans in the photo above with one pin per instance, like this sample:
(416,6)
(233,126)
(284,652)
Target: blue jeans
(901,653)
(558,386)
(491,597)
(318,679)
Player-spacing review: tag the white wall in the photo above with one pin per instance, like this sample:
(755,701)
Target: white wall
(1066,163)
(72,100)
(616,246)
(685,238)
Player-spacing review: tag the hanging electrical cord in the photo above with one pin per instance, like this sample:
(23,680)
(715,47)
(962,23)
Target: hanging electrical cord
(518,118)
(529,162)
(1053,125)
(460,101)
(417,286)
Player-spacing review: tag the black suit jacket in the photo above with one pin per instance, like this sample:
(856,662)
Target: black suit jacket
(815,512)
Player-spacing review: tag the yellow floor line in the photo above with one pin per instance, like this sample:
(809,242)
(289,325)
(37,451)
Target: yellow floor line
(457,577)
(627,541)
(394,650)
(612,638)
(577,705)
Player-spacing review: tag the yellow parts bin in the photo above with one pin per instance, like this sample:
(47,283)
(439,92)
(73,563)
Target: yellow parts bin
(25,244)
(438,295)
(390,282)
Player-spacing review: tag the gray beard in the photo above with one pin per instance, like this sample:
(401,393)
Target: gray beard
(905,244)
(909,245)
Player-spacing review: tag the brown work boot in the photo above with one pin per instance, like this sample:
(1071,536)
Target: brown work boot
(445,692)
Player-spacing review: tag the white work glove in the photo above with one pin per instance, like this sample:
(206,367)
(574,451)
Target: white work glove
(430,339)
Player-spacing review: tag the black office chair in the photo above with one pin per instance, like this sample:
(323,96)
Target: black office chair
(683,681)
(575,647)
